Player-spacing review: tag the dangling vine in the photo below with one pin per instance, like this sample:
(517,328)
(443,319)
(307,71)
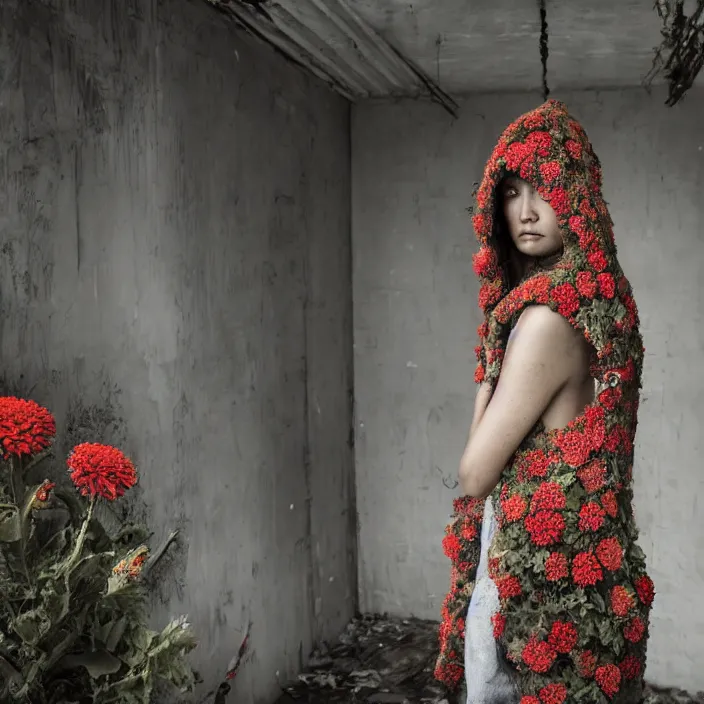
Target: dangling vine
(683,44)
(544,48)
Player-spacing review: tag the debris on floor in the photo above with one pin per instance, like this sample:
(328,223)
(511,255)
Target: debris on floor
(670,695)
(377,660)
(381,660)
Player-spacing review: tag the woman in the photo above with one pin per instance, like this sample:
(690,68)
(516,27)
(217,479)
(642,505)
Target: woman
(546,572)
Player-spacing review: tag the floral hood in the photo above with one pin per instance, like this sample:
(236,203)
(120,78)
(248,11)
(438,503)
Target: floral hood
(550,150)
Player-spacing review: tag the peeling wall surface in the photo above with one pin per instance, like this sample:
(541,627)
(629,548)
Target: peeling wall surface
(415,299)
(175,276)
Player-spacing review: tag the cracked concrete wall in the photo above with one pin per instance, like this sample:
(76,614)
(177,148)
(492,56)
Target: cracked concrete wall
(175,277)
(414,332)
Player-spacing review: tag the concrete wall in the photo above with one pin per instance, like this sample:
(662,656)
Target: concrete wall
(416,315)
(175,276)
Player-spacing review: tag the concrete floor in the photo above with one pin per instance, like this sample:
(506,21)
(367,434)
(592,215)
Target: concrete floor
(381,660)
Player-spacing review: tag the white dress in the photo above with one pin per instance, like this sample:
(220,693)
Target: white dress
(488,680)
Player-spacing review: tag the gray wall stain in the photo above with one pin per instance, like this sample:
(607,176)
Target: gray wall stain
(175,278)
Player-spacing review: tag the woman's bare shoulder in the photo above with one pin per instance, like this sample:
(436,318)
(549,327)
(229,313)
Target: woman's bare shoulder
(557,338)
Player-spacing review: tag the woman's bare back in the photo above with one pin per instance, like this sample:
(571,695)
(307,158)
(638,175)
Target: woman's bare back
(578,392)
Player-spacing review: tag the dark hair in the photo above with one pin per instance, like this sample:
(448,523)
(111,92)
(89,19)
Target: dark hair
(502,242)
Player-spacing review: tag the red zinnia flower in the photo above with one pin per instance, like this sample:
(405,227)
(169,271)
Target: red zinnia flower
(591,517)
(646,589)
(559,200)
(26,428)
(577,224)
(589,242)
(498,621)
(618,440)
(484,261)
(469,506)
(630,667)
(514,508)
(608,501)
(628,371)
(452,547)
(634,630)
(450,673)
(593,476)
(586,284)
(566,298)
(621,601)
(585,207)
(482,226)
(534,120)
(554,693)
(534,463)
(595,426)
(536,289)
(610,553)
(586,663)
(529,699)
(574,446)
(479,374)
(508,586)
(597,260)
(100,470)
(489,294)
(607,285)
(527,166)
(555,567)
(563,637)
(550,171)
(545,527)
(538,655)
(469,530)
(515,154)
(483,196)
(549,496)
(586,570)
(574,149)
(42,495)
(610,397)
(131,567)
(608,677)
(631,318)
(541,141)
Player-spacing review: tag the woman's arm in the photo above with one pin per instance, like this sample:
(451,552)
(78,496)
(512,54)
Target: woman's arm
(481,403)
(539,361)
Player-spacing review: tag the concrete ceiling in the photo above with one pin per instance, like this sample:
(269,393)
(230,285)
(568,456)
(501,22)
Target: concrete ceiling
(387,48)
(490,45)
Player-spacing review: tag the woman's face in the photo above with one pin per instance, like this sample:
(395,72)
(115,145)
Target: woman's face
(531,221)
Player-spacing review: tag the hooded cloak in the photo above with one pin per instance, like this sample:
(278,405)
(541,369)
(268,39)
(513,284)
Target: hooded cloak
(574,594)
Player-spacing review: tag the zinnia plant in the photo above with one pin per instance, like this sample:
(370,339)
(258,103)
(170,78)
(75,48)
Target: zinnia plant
(72,596)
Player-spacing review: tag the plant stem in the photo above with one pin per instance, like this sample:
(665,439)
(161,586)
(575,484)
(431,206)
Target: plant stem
(18,491)
(81,536)
(37,459)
